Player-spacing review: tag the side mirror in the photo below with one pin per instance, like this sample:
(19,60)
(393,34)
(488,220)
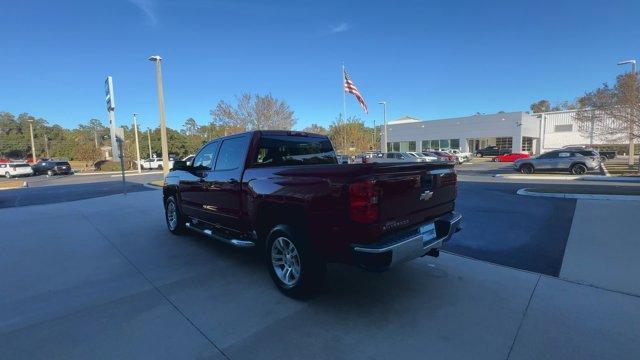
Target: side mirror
(180,165)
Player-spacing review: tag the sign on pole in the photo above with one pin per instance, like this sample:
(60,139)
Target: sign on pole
(111,106)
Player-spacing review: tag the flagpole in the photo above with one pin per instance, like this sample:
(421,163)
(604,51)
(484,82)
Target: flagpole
(344,97)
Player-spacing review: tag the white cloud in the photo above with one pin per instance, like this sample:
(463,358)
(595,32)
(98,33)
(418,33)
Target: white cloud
(338,28)
(148,8)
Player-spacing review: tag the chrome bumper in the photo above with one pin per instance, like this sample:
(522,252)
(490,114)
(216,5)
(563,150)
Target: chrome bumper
(400,248)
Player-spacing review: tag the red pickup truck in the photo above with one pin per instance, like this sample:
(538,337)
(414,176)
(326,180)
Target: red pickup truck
(284,193)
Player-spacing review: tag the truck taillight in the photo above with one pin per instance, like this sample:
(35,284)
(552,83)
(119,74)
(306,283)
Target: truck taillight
(363,201)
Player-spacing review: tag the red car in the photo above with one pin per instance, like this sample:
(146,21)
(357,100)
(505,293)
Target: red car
(510,157)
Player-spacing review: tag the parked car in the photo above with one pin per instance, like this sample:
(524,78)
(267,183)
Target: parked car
(492,151)
(155,163)
(343,159)
(558,160)
(441,155)
(511,157)
(423,156)
(396,157)
(285,193)
(463,156)
(13,169)
(52,167)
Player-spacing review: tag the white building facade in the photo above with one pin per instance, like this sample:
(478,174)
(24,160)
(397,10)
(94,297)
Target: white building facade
(518,131)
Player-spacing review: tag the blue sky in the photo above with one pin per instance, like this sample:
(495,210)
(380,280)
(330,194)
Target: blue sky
(426,59)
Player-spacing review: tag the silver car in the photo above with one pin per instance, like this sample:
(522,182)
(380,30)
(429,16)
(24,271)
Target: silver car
(558,160)
(396,157)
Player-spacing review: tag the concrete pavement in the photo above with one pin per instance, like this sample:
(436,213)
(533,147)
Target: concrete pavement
(103,278)
(604,246)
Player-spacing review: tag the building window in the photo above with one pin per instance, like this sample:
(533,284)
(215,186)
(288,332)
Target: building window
(412,146)
(563,128)
(444,144)
(527,143)
(425,145)
(504,142)
(455,143)
(393,146)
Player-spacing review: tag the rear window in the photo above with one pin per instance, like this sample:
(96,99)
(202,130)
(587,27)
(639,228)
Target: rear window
(280,150)
(20,165)
(62,163)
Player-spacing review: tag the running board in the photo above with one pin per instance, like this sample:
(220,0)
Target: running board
(234,242)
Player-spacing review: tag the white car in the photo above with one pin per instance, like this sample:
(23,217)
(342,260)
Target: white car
(154,163)
(425,158)
(10,170)
(460,156)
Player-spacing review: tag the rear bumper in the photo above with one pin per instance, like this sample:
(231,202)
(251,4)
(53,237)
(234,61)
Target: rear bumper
(406,245)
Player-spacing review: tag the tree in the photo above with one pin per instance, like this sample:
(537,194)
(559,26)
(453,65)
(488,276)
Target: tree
(190,127)
(612,114)
(350,136)
(540,106)
(253,112)
(315,129)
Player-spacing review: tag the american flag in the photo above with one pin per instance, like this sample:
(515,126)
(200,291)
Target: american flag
(351,88)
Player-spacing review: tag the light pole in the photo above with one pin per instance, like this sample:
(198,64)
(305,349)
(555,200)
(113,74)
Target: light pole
(33,144)
(149,138)
(631,137)
(135,129)
(163,121)
(384,138)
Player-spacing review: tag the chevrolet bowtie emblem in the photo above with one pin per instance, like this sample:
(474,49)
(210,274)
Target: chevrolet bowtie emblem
(426,195)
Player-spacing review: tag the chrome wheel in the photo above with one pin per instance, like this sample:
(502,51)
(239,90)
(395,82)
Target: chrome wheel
(285,261)
(172,216)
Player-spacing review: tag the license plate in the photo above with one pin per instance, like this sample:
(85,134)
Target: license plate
(428,233)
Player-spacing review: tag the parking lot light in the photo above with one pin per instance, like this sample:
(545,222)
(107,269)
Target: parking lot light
(33,145)
(163,121)
(384,114)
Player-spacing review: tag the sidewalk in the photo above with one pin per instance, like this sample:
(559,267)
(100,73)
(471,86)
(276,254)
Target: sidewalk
(604,246)
(121,286)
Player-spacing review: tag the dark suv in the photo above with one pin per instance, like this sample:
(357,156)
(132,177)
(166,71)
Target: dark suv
(492,151)
(52,167)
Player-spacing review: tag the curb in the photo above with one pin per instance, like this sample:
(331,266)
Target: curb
(540,177)
(570,177)
(528,192)
(119,174)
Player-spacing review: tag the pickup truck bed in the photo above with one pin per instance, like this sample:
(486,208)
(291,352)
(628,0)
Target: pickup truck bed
(284,193)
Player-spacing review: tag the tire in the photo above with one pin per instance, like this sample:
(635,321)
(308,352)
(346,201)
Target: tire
(481,155)
(7,175)
(287,250)
(603,159)
(495,159)
(50,173)
(527,169)
(159,167)
(173,216)
(578,169)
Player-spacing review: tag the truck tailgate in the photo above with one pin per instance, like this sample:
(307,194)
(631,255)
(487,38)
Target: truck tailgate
(408,189)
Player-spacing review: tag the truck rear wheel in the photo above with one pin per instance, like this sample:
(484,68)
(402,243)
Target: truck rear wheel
(295,269)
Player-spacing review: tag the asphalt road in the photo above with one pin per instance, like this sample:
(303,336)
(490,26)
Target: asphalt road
(504,228)
(55,189)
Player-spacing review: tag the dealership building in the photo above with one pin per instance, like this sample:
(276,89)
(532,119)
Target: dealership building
(518,131)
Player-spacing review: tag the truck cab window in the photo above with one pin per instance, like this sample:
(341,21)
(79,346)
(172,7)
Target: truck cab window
(232,153)
(277,150)
(204,159)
